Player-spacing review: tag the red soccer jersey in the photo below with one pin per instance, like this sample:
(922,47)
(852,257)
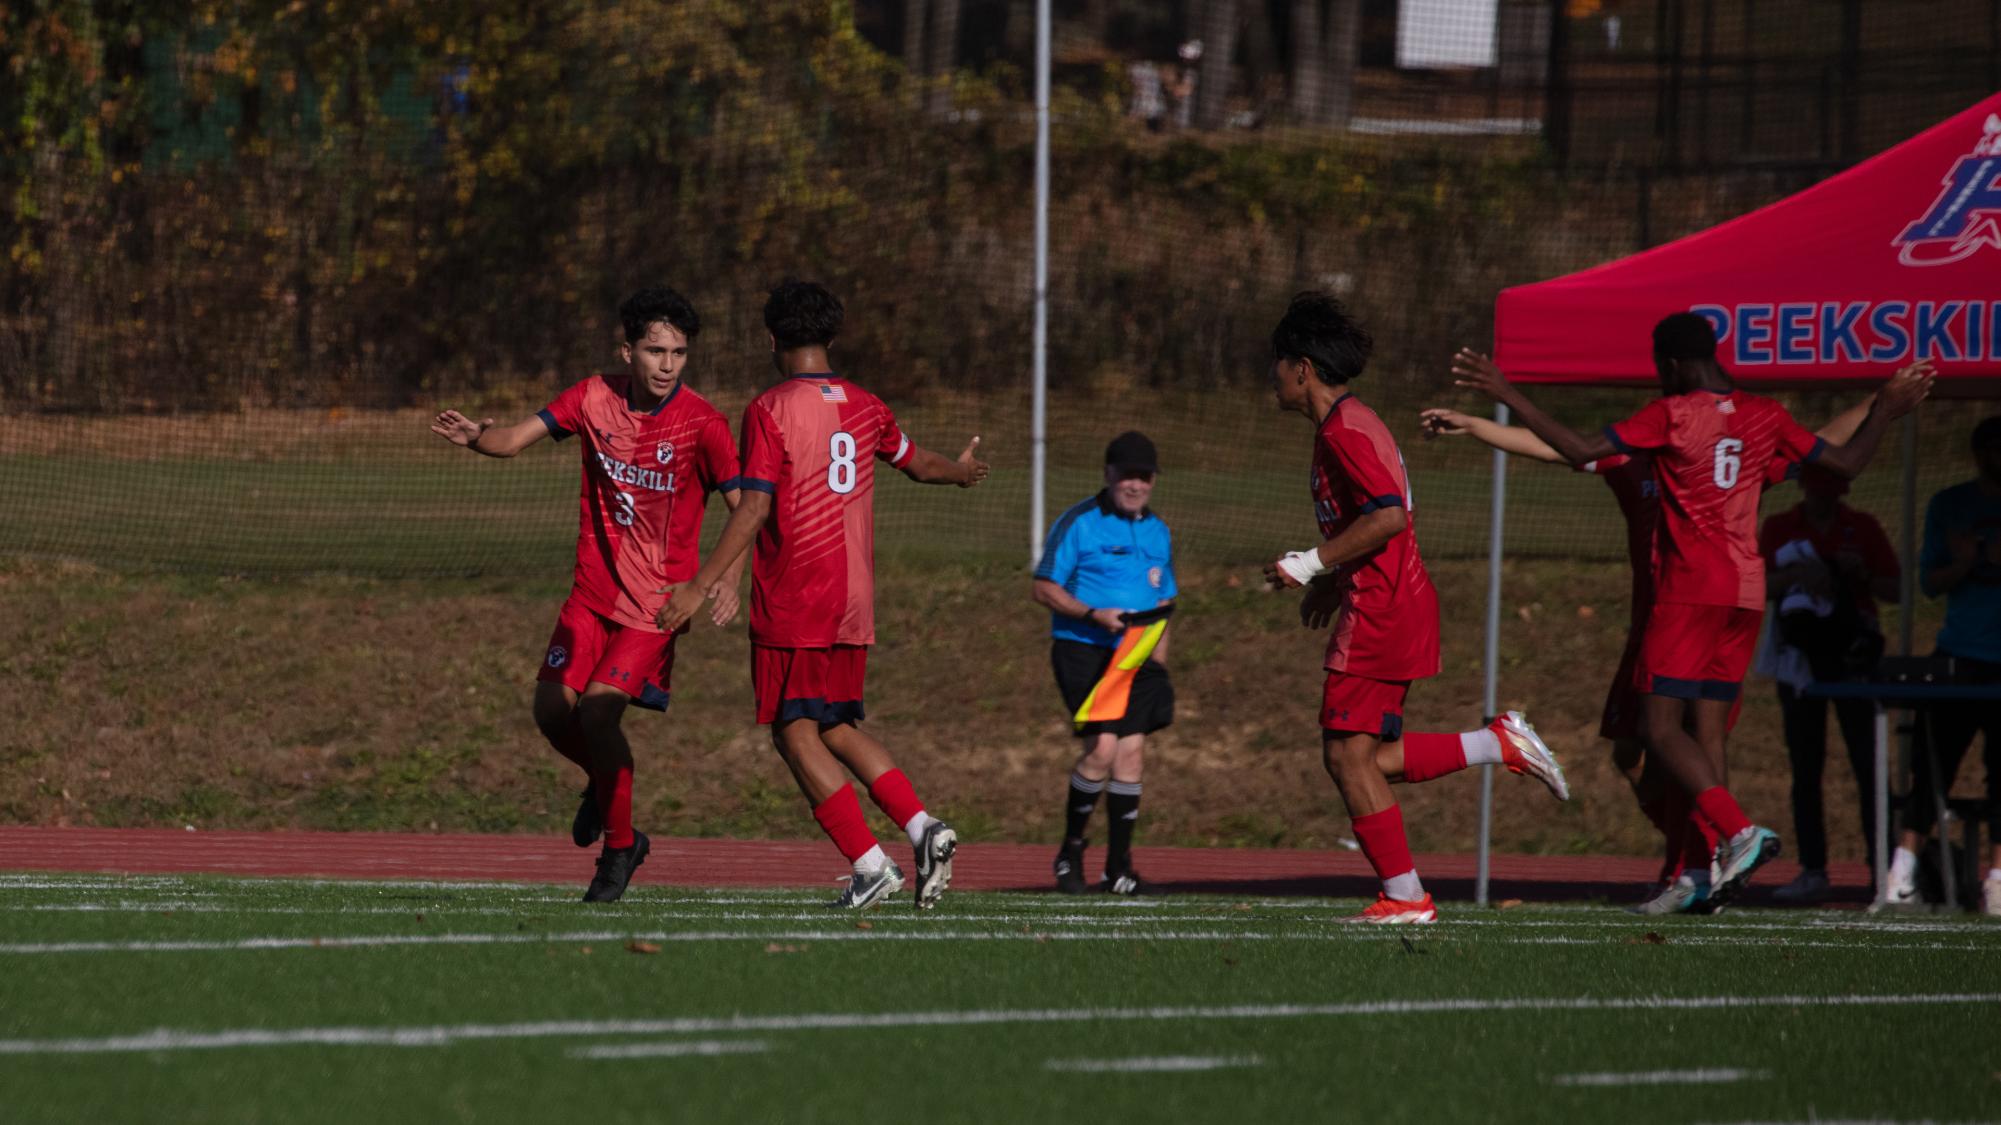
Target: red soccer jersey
(1706,545)
(812,442)
(1854,532)
(647,476)
(1388,625)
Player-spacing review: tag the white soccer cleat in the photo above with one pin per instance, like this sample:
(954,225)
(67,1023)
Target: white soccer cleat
(859,891)
(1990,897)
(1523,751)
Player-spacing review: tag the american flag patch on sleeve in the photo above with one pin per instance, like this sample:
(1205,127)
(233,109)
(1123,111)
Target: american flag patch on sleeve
(831,392)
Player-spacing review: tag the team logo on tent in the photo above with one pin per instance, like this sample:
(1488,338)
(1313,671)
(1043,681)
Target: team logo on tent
(664,451)
(1966,216)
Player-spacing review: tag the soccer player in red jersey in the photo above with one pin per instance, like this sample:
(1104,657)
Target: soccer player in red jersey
(652,452)
(1631,481)
(1369,581)
(1708,578)
(810,445)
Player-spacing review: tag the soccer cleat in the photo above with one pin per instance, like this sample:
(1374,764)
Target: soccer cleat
(615,868)
(1903,891)
(1127,882)
(1990,896)
(1685,895)
(587,825)
(1387,911)
(863,891)
(1069,868)
(1740,855)
(1523,751)
(934,863)
(1808,887)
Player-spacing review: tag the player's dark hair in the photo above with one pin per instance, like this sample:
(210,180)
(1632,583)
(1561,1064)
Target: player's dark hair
(1987,434)
(801,314)
(1318,329)
(1685,336)
(649,306)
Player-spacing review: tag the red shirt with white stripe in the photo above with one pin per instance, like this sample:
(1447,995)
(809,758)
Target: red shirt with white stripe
(1388,625)
(1705,548)
(647,476)
(812,442)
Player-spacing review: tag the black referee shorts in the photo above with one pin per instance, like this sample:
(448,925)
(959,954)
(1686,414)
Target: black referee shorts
(1078,667)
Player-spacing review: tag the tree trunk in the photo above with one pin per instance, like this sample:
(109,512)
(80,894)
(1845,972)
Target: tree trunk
(943,55)
(1344,37)
(913,37)
(1309,64)
(1261,59)
(1219,44)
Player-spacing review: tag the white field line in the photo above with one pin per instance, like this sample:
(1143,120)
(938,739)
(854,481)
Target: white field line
(437,1035)
(1701,1076)
(1160,1064)
(672,1049)
(1023,934)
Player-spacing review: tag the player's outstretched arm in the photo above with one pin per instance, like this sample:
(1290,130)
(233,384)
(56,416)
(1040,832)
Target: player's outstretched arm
(926,467)
(1475,371)
(485,437)
(752,509)
(1842,426)
(1901,395)
(1439,421)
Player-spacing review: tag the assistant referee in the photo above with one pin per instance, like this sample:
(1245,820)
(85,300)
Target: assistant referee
(1108,555)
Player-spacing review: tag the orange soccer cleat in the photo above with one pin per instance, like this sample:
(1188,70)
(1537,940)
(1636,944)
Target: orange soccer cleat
(1387,911)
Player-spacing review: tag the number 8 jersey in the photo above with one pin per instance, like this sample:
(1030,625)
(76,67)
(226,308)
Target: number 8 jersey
(812,443)
(1706,545)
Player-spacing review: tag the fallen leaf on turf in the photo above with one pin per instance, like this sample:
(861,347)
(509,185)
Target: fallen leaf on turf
(864,925)
(586,951)
(1648,938)
(774,947)
(1245,907)
(641,947)
(1507,904)
(420,919)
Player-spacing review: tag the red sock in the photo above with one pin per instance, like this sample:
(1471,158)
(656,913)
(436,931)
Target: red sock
(1720,808)
(1428,756)
(613,790)
(894,796)
(840,817)
(1382,838)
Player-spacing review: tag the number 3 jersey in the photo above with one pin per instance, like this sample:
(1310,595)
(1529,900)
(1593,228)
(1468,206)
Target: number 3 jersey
(812,443)
(647,479)
(1706,545)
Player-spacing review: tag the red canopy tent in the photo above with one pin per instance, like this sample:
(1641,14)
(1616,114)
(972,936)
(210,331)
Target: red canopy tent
(1893,260)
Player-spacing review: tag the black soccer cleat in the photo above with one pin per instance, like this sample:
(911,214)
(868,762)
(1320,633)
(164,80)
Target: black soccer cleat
(587,825)
(1069,868)
(615,868)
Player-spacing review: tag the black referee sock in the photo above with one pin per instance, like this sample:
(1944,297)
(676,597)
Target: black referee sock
(1077,806)
(1122,807)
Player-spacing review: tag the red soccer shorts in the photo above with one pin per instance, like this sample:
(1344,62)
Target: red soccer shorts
(1353,704)
(822,684)
(1624,715)
(589,649)
(1698,651)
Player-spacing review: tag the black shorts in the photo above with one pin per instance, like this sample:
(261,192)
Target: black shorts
(1078,667)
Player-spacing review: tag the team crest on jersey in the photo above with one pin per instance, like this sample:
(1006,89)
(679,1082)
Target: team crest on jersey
(558,656)
(1725,406)
(1153,577)
(1966,216)
(664,451)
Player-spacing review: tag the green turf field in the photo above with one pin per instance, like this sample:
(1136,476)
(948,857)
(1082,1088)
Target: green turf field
(205,999)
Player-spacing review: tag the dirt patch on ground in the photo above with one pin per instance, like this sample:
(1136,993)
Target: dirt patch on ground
(162,701)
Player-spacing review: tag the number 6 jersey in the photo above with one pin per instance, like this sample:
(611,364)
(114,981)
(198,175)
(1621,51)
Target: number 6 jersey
(812,443)
(647,479)
(1706,545)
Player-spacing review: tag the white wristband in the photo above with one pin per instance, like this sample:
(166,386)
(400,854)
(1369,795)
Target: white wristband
(1303,566)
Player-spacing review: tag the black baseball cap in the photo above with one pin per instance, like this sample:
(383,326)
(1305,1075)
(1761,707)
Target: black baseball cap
(1987,434)
(1132,452)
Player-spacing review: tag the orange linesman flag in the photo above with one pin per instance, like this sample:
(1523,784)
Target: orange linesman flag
(1113,691)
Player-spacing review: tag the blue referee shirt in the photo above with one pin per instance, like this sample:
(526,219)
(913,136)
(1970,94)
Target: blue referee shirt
(1107,560)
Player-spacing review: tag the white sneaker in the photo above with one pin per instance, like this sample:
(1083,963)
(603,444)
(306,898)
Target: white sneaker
(1990,897)
(1902,892)
(1523,751)
(1808,887)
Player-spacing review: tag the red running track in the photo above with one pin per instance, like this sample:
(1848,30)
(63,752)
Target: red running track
(776,863)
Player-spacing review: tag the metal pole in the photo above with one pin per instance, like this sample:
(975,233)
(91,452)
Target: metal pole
(1881,800)
(1493,655)
(1038,423)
